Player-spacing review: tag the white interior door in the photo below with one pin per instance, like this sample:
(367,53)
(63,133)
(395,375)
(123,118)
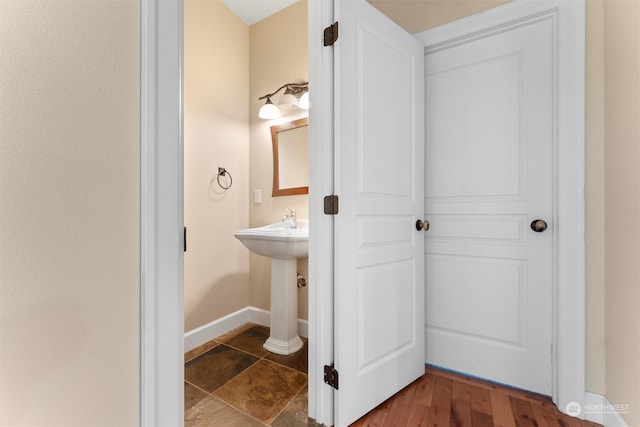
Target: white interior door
(379,254)
(489,174)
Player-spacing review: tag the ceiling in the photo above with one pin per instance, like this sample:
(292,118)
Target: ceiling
(252,11)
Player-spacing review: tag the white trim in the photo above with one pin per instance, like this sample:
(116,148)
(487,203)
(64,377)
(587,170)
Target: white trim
(496,19)
(211,330)
(320,408)
(570,303)
(263,317)
(161,276)
(594,399)
(148,362)
(607,418)
(260,316)
(569,287)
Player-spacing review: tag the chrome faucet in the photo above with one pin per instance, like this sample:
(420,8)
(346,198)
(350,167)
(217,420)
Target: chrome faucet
(290,218)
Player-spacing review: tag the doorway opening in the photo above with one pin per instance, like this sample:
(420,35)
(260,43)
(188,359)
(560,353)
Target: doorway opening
(229,62)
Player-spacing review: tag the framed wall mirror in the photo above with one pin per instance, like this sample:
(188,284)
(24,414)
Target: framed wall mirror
(290,158)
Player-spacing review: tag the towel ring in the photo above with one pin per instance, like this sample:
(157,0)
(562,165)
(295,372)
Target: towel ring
(224,172)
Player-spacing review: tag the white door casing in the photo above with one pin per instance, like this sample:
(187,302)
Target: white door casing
(378,253)
(320,406)
(161,215)
(489,173)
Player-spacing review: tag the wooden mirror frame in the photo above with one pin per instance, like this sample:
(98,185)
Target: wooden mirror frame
(277,191)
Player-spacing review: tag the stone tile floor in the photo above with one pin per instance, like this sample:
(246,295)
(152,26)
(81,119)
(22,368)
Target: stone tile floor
(233,381)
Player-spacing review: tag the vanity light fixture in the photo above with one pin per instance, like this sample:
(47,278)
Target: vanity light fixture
(296,95)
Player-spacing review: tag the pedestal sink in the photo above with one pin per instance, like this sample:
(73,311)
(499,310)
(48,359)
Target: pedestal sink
(284,245)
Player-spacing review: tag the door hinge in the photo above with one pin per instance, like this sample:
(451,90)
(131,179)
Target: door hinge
(331,205)
(184,239)
(331,376)
(331,34)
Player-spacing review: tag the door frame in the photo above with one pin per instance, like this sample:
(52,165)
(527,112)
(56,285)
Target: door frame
(161,221)
(569,327)
(161,217)
(161,214)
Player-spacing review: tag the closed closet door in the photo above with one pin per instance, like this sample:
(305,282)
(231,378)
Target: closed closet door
(489,196)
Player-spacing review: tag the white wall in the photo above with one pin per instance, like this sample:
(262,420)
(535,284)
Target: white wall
(69,212)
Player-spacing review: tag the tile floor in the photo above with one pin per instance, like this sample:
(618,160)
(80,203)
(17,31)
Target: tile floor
(233,381)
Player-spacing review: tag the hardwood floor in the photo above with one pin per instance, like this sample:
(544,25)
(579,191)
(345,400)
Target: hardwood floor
(443,399)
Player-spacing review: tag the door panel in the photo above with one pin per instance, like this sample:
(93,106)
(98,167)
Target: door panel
(489,173)
(379,254)
(501,320)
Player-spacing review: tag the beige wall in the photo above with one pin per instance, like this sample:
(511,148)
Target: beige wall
(222,83)
(69,204)
(69,212)
(622,197)
(216,134)
(416,16)
(595,198)
(613,202)
(278,56)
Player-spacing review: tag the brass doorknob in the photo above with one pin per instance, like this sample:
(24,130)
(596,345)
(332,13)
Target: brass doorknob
(538,225)
(422,225)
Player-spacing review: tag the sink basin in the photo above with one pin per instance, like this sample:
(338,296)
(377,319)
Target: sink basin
(277,240)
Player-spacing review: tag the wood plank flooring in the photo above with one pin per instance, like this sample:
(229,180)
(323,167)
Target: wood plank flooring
(443,399)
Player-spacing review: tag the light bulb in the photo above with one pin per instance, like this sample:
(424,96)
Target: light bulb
(304,101)
(269,111)
(288,101)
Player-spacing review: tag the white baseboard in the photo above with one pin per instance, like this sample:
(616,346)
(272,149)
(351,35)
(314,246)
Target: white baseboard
(598,409)
(206,333)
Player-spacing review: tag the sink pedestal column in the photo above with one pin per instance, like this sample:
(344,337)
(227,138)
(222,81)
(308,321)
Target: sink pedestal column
(284,337)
